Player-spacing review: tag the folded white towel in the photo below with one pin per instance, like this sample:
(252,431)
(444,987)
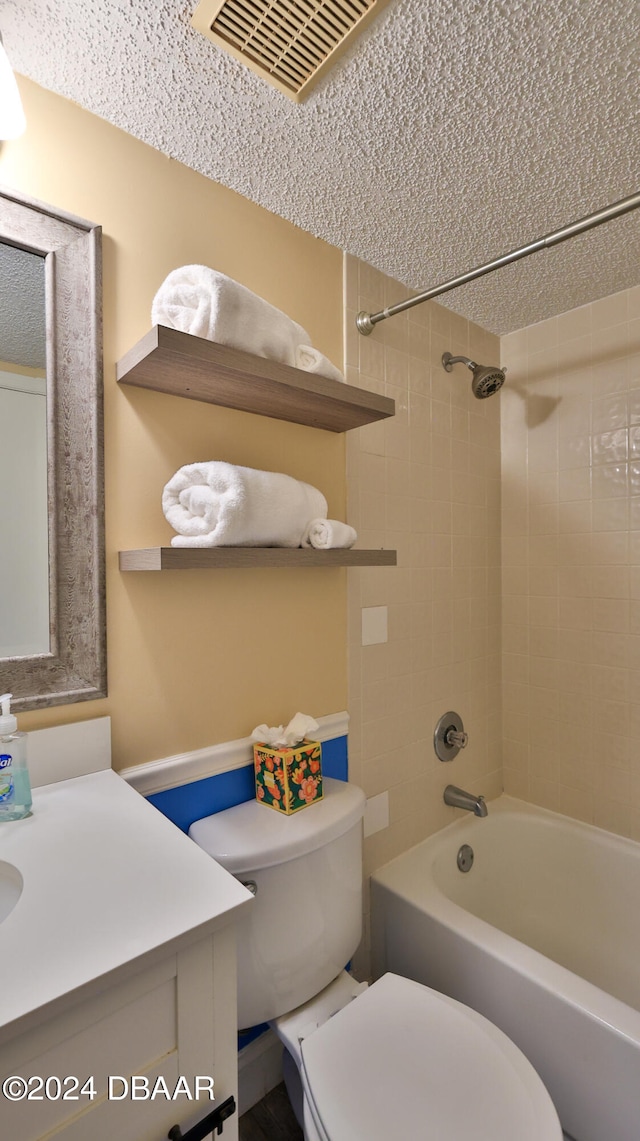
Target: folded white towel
(209,304)
(217,504)
(324,534)
(312,360)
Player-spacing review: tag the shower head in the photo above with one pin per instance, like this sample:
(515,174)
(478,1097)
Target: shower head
(487,379)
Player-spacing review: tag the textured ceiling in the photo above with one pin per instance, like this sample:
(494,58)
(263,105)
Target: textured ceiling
(451,132)
(22,308)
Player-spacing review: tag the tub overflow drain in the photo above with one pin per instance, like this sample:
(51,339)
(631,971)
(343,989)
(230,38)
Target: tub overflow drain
(465,858)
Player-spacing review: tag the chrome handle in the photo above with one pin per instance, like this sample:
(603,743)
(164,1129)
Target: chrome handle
(250,885)
(449,736)
(456,739)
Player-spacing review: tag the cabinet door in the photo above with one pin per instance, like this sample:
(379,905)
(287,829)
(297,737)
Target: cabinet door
(174,1020)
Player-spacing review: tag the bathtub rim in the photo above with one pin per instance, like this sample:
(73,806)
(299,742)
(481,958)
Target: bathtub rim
(617,1015)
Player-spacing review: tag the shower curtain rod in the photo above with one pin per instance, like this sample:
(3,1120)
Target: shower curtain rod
(366,321)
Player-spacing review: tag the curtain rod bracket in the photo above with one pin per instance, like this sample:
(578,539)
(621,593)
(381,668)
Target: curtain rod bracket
(365,324)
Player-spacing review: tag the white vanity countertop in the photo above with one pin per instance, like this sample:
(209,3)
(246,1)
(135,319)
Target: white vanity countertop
(107,879)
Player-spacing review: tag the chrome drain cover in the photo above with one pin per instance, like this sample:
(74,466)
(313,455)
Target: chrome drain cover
(465,858)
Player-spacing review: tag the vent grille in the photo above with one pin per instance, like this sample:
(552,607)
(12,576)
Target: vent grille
(288,42)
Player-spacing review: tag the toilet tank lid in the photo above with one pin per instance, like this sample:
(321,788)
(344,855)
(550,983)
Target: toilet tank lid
(252,836)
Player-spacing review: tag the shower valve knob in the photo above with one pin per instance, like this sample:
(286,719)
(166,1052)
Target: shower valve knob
(449,736)
(453,737)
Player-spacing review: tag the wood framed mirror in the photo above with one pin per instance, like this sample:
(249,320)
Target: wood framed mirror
(54,520)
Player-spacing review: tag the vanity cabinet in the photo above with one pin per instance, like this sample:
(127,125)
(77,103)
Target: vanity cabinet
(118,960)
(175,1016)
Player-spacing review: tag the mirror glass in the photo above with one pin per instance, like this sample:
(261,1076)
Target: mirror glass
(52,575)
(24,566)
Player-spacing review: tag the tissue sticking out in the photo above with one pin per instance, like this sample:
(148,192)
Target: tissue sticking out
(280,737)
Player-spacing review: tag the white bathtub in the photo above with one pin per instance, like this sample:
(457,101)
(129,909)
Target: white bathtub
(542,936)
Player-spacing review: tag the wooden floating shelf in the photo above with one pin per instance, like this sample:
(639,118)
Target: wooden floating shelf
(221,558)
(167,360)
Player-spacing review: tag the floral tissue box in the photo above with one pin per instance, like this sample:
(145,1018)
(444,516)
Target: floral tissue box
(288,779)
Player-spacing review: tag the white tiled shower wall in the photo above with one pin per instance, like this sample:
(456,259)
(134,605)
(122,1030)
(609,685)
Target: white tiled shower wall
(427,484)
(571,563)
(517,548)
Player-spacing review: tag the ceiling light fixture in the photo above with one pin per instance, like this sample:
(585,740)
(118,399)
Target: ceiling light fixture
(12,120)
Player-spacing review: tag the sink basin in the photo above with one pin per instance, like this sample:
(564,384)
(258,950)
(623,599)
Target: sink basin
(11,884)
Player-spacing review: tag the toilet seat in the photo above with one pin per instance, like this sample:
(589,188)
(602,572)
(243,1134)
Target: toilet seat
(404,1061)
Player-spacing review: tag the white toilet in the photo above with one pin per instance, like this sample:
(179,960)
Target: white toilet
(393,1060)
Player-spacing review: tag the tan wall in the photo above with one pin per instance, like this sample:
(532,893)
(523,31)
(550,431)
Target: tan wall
(194,657)
(426,483)
(571,574)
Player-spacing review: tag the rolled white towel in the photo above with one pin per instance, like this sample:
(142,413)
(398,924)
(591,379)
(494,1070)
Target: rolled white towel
(312,360)
(324,534)
(209,304)
(216,504)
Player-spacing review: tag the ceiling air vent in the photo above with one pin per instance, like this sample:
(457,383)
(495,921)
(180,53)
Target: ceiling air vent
(290,43)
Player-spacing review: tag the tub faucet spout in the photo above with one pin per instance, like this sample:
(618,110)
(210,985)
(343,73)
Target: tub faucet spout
(458,798)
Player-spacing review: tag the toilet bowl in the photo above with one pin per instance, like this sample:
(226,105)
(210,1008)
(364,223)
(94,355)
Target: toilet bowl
(393,1060)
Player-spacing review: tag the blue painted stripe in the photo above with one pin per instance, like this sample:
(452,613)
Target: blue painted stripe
(191,802)
(247,1036)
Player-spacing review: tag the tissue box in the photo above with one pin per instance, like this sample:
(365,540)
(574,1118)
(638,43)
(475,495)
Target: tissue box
(288,779)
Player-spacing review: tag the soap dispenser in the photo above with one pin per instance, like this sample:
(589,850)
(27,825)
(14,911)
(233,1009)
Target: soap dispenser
(15,789)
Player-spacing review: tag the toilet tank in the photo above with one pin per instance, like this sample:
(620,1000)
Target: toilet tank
(306,919)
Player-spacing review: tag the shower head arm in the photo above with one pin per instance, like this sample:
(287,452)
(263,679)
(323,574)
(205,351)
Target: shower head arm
(365,322)
(448,362)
